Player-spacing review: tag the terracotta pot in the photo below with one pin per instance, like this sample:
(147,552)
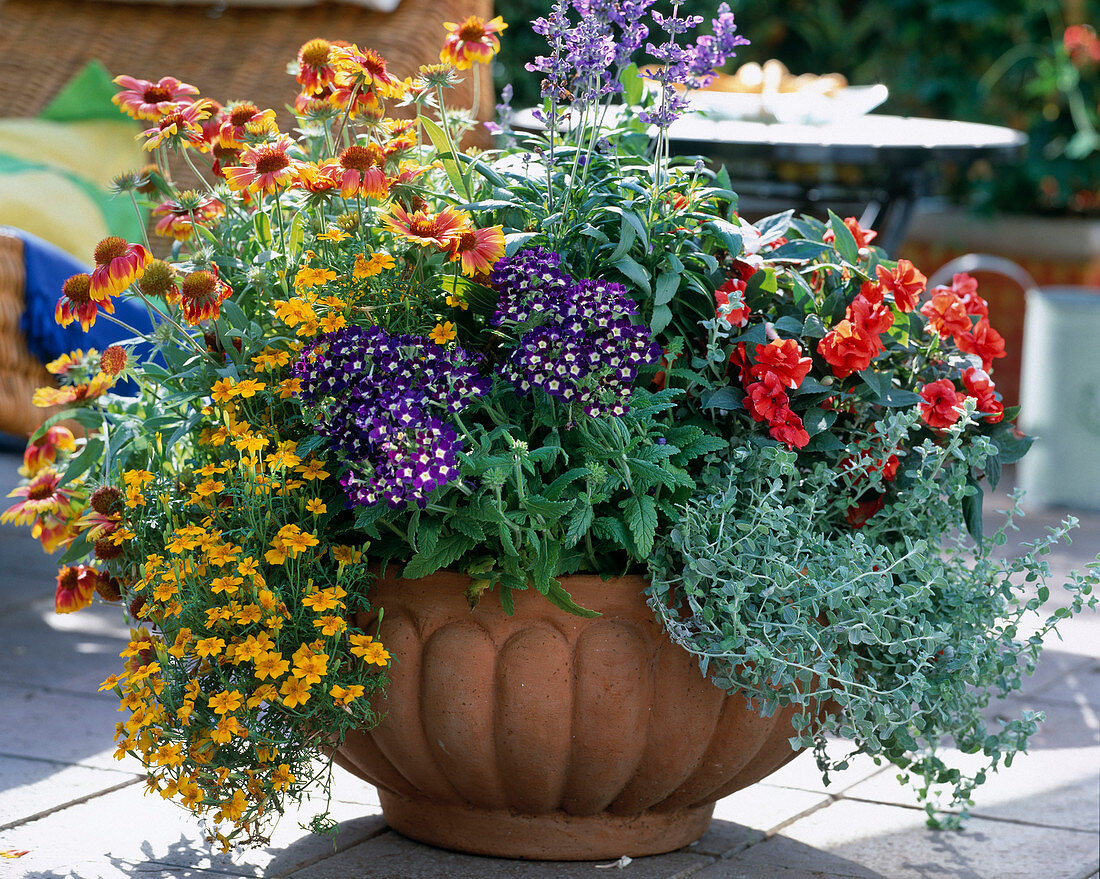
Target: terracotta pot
(546,736)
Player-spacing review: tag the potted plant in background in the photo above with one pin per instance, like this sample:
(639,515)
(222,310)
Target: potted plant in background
(476,429)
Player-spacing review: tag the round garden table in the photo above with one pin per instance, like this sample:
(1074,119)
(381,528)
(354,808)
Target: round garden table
(882,162)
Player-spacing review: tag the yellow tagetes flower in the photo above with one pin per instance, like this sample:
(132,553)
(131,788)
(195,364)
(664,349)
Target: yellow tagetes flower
(330,625)
(443,333)
(226,701)
(308,277)
(248,388)
(271,665)
(222,390)
(333,235)
(343,695)
(295,691)
(368,268)
(209,647)
(316,506)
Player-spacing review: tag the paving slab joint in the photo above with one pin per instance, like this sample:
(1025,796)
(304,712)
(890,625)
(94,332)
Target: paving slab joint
(45,813)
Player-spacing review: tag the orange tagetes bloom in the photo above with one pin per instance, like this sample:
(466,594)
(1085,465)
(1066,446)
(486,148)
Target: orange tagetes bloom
(474,41)
(76,303)
(478,249)
(264,168)
(436,230)
(117,265)
(143,99)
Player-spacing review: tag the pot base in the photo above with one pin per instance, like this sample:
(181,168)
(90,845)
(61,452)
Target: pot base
(556,836)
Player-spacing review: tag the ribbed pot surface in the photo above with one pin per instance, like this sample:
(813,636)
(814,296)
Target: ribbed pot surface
(546,736)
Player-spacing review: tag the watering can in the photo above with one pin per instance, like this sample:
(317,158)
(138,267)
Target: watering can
(1059,385)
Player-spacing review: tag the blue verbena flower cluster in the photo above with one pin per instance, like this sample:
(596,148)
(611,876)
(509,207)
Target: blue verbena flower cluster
(379,398)
(577,341)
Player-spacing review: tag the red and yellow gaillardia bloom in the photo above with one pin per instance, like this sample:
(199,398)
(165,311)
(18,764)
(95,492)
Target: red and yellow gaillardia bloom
(42,496)
(201,295)
(473,41)
(264,168)
(180,127)
(75,588)
(42,452)
(315,70)
(177,217)
(359,68)
(478,249)
(97,387)
(242,123)
(361,171)
(426,229)
(76,303)
(143,99)
(118,263)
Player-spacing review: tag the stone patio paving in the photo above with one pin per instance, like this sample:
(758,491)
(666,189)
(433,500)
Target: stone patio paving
(81,814)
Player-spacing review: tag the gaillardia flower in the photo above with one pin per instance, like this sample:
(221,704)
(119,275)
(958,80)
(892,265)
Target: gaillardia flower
(117,265)
(426,229)
(474,41)
(478,249)
(42,496)
(76,303)
(264,168)
(75,587)
(142,99)
(201,295)
(315,70)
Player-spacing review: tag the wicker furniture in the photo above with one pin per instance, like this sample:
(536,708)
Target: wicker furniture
(20,371)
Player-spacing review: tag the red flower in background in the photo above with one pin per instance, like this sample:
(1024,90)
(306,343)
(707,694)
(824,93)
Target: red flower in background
(980,386)
(735,317)
(862,236)
(905,282)
(766,400)
(984,341)
(940,399)
(946,313)
(847,349)
(783,359)
(1082,45)
(789,430)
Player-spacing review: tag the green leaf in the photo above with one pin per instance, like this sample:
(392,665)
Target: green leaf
(560,598)
(727,234)
(633,85)
(972,510)
(789,324)
(439,140)
(845,243)
(816,420)
(1011,448)
(634,272)
(641,519)
(899,398)
(667,285)
(82,463)
(579,523)
(662,317)
(514,241)
(799,250)
(626,240)
(446,553)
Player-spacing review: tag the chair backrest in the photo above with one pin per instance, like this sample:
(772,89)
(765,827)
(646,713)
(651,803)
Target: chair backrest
(227,53)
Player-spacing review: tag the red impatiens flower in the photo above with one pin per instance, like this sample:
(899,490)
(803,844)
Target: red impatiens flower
(142,99)
(75,588)
(735,317)
(980,386)
(474,41)
(946,313)
(739,360)
(940,400)
(870,318)
(783,359)
(847,349)
(788,429)
(76,303)
(862,236)
(766,399)
(905,282)
(984,341)
(117,265)
(966,288)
